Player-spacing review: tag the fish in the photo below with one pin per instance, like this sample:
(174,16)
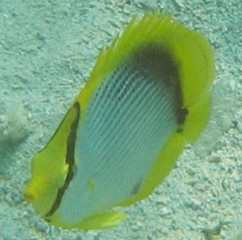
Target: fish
(147,97)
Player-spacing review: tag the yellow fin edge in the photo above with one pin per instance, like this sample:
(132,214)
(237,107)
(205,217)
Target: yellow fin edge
(99,221)
(161,168)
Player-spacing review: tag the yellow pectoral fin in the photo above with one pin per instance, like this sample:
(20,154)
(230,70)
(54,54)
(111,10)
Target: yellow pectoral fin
(99,221)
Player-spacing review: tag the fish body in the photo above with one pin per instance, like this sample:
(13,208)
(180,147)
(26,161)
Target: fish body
(148,95)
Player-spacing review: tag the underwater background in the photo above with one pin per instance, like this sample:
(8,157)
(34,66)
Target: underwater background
(47,50)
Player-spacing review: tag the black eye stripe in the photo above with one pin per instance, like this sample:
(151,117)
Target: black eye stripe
(70,161)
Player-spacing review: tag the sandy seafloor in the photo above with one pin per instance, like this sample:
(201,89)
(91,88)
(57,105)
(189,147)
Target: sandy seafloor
(47,50)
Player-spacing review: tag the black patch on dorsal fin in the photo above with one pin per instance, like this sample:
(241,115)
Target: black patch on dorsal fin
(159,63)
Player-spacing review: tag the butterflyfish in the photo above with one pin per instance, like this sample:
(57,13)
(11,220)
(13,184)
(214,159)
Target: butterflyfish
(148,95)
